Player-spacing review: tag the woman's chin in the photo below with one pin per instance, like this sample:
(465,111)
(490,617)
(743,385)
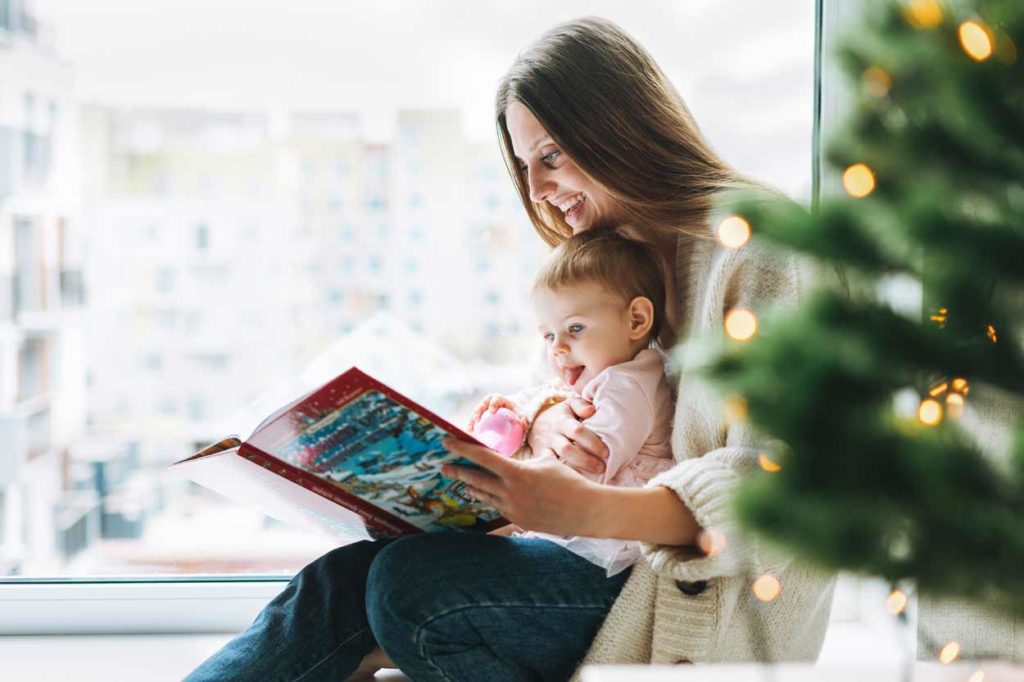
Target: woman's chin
(579,225)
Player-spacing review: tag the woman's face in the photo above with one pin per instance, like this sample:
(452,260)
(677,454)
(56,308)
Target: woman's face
(552,176)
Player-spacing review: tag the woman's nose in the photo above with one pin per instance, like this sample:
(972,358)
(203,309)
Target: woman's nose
(540,185)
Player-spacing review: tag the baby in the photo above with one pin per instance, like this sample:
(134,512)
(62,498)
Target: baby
(600,303)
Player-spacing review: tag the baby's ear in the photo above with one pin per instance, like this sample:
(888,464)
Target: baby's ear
(641,317)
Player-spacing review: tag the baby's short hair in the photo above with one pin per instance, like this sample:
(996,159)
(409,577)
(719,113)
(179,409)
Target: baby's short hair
(623,266)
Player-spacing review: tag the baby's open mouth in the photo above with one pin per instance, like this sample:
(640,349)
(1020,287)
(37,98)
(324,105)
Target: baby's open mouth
(570,375)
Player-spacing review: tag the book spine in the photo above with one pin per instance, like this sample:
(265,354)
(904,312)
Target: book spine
(376,519)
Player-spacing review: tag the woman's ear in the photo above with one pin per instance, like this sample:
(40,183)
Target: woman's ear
(641,318)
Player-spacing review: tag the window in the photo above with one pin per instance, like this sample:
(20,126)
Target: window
(406,184)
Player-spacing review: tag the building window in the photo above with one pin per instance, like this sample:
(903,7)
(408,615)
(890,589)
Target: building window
(202,237)
(197,408)
(164,280)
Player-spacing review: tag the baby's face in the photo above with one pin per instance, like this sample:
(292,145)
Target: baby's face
(586,329)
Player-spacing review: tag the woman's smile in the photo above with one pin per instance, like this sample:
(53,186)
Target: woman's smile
(573,210)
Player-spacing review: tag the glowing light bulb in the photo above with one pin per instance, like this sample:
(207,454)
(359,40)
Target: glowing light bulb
(733,232)
(767,587)
(949,653)
(767,463)
(858,181)
(923,14)
(976,40)
(991,331)
(960,385)
(955,405)
(711,541)
(740,324)
(978,676)
(938,389)
(876,82)
(735,409)
(896,602)
(930,412)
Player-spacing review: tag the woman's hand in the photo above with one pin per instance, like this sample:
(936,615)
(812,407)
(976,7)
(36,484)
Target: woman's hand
(538,494)
(557,431)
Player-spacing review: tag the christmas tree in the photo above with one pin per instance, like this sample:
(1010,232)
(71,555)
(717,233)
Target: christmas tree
(881,461)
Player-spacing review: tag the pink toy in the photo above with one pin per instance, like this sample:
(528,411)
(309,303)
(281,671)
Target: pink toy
(501,430)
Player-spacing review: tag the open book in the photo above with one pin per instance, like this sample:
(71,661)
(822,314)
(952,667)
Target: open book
(354,458)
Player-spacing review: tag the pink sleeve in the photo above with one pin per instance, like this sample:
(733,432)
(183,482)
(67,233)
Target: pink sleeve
(623,419)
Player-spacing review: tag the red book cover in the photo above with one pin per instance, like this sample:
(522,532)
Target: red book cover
(354,458)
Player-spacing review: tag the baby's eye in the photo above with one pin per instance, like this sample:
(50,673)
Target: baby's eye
(549,337)
(575,328)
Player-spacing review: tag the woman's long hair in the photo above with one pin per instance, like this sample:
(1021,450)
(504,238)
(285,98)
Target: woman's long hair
(608,106)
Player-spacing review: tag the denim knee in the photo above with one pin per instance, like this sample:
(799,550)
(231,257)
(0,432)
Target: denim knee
(396,592)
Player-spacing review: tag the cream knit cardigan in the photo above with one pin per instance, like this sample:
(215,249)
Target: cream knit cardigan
(680,606)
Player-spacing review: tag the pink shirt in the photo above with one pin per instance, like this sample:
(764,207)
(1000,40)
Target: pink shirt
(634,412)
(633,416)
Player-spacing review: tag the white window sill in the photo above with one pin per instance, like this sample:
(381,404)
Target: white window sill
(132,607)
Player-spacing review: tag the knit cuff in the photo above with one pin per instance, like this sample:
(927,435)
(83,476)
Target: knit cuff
(531,402)
(706,486)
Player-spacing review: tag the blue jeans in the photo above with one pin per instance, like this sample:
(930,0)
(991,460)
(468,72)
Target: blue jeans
(443,607)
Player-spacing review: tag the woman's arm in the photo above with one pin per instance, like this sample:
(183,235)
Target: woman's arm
(653,515)
(543,495)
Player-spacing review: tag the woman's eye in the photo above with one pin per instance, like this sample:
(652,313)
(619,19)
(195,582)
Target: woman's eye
(550,157)
(523,169)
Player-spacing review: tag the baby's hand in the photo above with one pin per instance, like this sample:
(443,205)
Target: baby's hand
(489,404)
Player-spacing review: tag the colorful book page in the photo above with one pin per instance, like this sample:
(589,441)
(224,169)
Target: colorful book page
(384,453)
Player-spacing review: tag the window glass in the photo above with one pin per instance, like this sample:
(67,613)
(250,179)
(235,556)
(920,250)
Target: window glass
(283,192)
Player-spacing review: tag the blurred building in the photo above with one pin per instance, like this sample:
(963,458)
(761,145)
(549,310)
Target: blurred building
(41,296)
(227,250)
(237,259)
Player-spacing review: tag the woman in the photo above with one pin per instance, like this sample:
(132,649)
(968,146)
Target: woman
(594,136)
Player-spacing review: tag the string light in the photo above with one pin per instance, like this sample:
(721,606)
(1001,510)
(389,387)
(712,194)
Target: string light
(896,602)
(949,653)
(938,389)
(955,405)
(711,541)
(941,317)
(767,463)
(733,232)
(923,14)
(735,409)
(876,82)
(767,587)
(930,412)
(992,334)
(740,324)
(978,676)
(858,180)
(960,386)
(976,40)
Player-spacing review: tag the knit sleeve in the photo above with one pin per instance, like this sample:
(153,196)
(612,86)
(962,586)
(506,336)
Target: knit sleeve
(714,455)
(706,486)
(529,401)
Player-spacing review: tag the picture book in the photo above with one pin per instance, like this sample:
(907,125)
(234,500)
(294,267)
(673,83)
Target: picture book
(354,458)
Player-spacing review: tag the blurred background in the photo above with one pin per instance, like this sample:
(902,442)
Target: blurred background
(207,208)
